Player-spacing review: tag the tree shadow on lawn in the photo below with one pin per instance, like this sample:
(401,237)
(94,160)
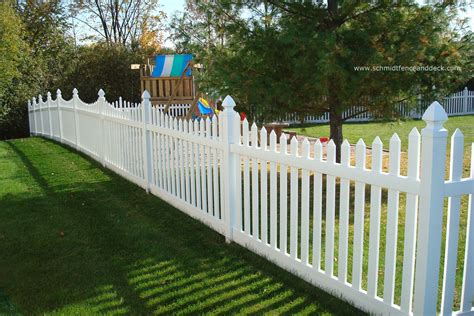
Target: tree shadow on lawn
(102,245)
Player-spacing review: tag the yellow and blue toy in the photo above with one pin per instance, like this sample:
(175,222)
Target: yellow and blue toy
(204,107)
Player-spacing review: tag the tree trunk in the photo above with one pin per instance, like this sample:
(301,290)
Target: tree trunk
(335,132)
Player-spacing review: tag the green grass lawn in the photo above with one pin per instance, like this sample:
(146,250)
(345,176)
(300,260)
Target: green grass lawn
(385,130)
(78,239)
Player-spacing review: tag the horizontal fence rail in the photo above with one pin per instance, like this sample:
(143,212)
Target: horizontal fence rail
(459,103)
(371,229)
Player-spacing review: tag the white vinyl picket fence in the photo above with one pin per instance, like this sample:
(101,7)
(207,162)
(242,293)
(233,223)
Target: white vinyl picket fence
(335,225)
(459,103)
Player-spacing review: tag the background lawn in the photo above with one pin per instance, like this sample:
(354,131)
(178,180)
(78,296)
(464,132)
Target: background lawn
(77,239)
(385,130)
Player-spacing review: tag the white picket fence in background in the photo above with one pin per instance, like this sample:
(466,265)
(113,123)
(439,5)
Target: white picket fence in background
(178,110)
(459,103)
(257,194)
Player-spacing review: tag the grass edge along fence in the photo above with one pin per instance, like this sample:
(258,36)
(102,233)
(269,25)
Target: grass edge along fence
(257,193)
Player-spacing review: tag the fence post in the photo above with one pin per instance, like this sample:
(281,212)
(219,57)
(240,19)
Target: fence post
(40,100)
(30,117)
(147,159)
(50,123)
(60,119)
(465,100)
(101,105)
(430,217)
(230,121)
(48,104)
(75,98)
(35,110)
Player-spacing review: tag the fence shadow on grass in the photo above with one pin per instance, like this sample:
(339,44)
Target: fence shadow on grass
(102,245)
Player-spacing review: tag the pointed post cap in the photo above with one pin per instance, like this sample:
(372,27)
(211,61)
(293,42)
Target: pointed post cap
(435,115)
(228,103)
(48,95)
(146,94)
(75,92)
(101,93)
(58,92)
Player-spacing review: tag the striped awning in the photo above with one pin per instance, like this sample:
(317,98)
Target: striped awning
(171,65)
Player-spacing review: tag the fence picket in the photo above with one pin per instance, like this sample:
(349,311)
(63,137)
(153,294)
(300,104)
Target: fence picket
(359,208)
(294,202)
(215,169)
(344,215)
(330,210)
(173,158)
(317,208)
(374,235)
(245,142)
(193,164)
(410,223)
(305,207)
(392,223)
(255,185)
(181,155)
(263,191)
(273,193)
(467,292)
(210,197)
(202,151)
(452,230)
(283,197)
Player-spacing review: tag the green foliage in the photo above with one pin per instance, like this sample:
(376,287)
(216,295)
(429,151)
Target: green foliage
(52,48)
(38,55)
(12,47)
(16,80)
(101,66)
(279,57)
(37,58)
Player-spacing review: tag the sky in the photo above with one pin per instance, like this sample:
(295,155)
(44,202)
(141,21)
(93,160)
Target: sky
(170,7)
